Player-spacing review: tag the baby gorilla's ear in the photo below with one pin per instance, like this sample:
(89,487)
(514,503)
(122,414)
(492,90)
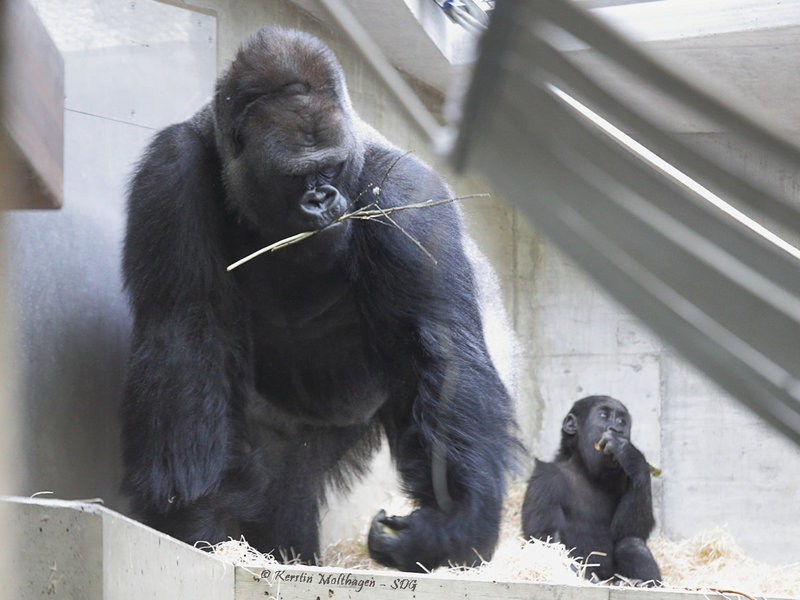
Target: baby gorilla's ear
(570,424)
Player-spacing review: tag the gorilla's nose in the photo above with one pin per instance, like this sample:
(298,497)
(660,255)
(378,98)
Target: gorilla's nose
(319,199)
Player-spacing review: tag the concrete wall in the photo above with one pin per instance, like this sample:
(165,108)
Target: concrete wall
(8,398)
(721,464)
(133,67)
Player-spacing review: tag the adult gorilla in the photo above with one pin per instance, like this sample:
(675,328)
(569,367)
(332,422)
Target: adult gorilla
(595,498)
(249,391)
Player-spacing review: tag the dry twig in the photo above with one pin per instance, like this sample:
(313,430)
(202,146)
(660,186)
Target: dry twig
(370,212)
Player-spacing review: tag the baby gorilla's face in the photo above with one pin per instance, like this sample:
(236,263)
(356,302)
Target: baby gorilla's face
(608,416)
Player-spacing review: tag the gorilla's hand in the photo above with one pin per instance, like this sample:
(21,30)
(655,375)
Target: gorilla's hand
(400,542)
(625,453)
(420,541)
(612,445)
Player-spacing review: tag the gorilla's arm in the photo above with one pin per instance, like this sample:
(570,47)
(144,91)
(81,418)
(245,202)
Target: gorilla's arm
(184,363)
(454,447)
(455,475)
(562,505)
(542,509)
(634,513)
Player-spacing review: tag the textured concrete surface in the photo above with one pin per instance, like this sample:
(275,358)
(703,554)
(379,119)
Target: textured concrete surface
(75,550)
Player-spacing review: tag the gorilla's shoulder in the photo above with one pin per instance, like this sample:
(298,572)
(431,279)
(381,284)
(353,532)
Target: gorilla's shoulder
(394,161)
(177,180)
(202,124)
(186,145)
(403,178)
(546,470)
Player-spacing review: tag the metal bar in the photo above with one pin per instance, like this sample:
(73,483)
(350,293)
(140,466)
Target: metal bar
(727,299)
(604,39)
(747,374)
(684,157)
(670,250)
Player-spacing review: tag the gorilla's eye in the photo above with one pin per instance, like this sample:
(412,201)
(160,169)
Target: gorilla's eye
(603,413)
(293,89)
(330,172)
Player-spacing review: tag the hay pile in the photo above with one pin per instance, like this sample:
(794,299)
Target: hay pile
(713,560)
(514,559)
(709,561)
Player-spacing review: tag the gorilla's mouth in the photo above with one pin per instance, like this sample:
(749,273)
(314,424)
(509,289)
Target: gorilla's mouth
(308,221)
(320,218)
(321,206)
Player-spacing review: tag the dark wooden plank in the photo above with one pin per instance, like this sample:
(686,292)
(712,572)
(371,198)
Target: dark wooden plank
(32,119)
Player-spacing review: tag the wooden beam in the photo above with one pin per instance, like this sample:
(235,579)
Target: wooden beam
(32,118)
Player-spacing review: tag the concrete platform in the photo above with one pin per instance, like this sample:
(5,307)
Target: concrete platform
(84,551)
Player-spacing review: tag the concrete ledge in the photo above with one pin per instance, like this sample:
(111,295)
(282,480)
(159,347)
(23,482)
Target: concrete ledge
(84,551)
(81,550)
(32,120)
(308,583)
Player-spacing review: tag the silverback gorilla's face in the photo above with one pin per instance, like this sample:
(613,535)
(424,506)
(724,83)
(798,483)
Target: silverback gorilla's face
(289,152)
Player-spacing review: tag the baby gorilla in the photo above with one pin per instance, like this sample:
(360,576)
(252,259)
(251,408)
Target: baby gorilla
(595,497)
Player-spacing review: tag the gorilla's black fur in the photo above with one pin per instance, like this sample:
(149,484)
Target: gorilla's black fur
(249,390)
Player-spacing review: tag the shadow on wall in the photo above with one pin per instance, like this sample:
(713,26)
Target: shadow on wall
(71,342)
(130,69)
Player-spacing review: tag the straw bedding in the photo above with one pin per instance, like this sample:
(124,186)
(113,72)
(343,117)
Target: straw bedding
(710,560)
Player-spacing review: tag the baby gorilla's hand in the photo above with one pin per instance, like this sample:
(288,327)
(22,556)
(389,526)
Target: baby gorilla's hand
(612,445)
(626,454)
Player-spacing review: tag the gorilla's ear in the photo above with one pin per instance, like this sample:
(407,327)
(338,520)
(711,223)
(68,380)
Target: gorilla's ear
(570,424)
(234,131)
